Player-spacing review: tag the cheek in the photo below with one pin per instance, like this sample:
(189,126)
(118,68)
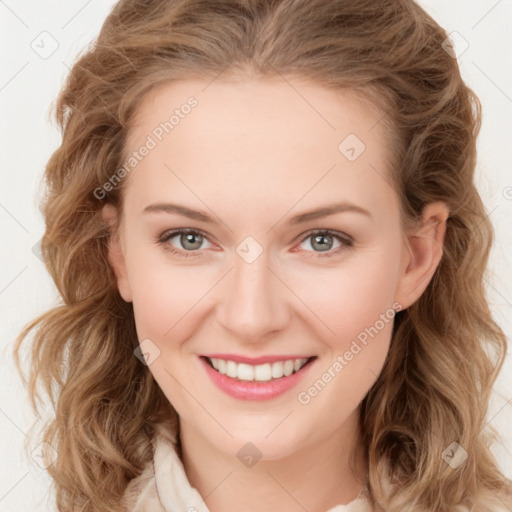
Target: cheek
(356,304)
(351,297)
(165,298)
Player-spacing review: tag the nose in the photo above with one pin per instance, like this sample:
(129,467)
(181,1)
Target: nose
(254,302)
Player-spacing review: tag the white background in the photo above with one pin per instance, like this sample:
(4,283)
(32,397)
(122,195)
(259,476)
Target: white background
(28,86)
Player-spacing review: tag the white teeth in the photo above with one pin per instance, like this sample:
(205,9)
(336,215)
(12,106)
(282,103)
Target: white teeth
(277,371)
(231,369)
(263,372)
(245,372)
(259,373)
(288,368)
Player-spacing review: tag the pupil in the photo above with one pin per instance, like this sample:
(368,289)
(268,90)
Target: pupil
(323,245)
(189,238)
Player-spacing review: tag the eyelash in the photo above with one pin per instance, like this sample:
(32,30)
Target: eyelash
(347,242)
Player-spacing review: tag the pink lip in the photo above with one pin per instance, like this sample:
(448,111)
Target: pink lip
(255,360)
(251,390)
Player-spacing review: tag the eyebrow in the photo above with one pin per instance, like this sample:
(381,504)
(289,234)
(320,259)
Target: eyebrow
(202,216)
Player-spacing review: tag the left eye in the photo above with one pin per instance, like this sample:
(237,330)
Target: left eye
(323,240)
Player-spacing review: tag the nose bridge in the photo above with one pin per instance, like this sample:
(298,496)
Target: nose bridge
(255,301)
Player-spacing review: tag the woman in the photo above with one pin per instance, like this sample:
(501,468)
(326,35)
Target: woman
(325,343)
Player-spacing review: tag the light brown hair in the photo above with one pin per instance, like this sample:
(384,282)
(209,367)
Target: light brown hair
(446,349)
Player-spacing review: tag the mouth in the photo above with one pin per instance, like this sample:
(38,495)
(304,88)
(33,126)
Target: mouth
(266,372)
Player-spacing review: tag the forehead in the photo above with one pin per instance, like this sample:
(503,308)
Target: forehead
(245,138)
(264,108)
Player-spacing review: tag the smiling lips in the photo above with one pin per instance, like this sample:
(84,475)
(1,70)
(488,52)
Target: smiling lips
(256,360)
(271,377)
(259,373)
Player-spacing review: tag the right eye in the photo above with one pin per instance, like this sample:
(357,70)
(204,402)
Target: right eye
(190,239)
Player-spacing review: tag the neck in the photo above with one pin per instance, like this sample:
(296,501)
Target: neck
(315,477)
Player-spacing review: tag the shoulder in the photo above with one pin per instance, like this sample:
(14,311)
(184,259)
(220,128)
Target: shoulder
(141,495)
(360,504)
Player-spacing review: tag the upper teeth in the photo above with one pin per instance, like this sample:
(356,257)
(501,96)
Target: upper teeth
(261,372)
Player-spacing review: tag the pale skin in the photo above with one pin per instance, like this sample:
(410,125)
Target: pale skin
(251,155)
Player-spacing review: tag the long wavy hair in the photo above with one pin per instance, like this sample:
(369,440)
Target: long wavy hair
(446,349)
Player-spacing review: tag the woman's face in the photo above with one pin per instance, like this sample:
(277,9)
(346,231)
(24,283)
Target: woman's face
(245,166)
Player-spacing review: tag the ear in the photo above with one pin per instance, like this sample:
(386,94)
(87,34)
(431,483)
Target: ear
(109,214)
(422,253)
